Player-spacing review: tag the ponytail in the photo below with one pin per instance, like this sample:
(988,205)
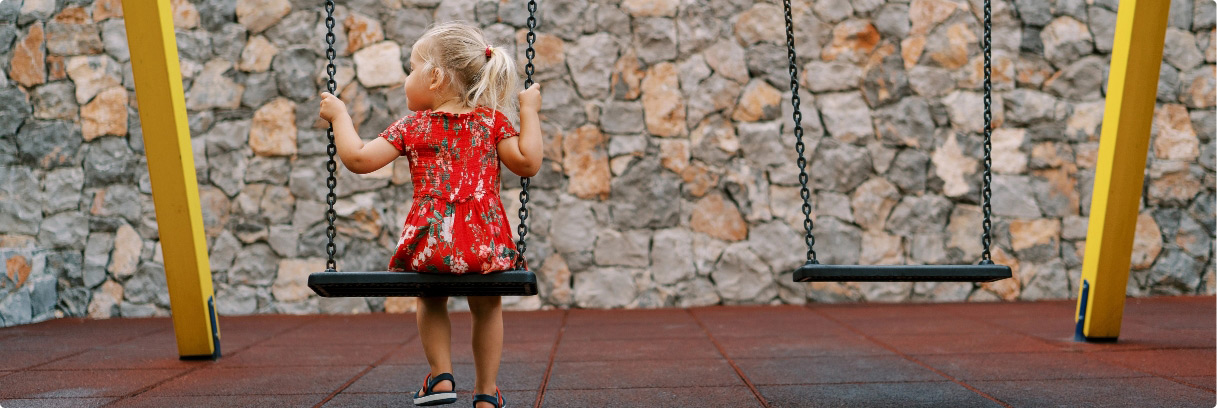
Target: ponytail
(495,85)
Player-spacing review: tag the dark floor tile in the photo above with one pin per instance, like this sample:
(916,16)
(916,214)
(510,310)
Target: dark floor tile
(462,352)
(928,324)
(260,401)
(408,378)
(1171,363)
(639,374)
(19,359)
(895,395)
(258,381)
(747,328)
(79,383)
(633,331)
(963,343)
(1025,366)
(1131,338)
(637,349)
(725,397)
(320,355)
(164,355)
(327,332)
(55,402)
(833,369)
(1207,382)
(594,317)
(800,346)
(1104,393)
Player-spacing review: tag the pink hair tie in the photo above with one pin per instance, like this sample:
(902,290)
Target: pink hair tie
(487,52)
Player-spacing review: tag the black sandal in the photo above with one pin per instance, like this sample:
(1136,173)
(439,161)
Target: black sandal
(427,397)
(496,399)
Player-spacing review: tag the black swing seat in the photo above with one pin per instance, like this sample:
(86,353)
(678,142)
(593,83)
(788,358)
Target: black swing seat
(814,272)
(518,282)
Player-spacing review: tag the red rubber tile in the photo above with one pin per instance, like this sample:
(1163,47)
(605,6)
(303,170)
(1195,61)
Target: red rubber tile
(850,313)
(523,398)
(642,374)
(1178,320)
(617,350)
(916,344)
(1107,392)
(222,401)
(267,355)
(164,355)
(595,317)
(834,369)
(13,359)
(409,378)
(800,346)
(1132,338)
(633,331)
(55,402)
(653,397)
(927,324)
(1057,326)
(1025,366)
(1207,382)
(1172,363)
(894,395)
(258,381)
(806,327)
(337,333)
(462,352)
(79,383)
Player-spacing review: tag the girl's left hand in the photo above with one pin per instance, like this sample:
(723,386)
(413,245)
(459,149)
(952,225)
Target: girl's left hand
(530,99)
(331,107)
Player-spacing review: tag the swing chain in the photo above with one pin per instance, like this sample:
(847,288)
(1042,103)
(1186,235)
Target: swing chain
(522,229)
(798,135)
(330,165)
(987,192)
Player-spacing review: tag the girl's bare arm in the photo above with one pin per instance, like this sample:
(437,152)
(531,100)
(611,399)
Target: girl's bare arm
(522,155)
(358,157)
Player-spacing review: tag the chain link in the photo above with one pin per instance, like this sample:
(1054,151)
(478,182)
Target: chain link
(522,229)
(986,191)
(799,147)
(330,165)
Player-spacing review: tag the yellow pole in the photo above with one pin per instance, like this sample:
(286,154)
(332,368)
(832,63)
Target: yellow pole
(1132,88)
(162,112)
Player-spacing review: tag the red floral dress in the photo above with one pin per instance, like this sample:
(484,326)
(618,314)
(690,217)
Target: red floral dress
(457,223)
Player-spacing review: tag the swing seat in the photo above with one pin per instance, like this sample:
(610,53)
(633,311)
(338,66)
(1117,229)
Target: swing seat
(814,272)
(518,282)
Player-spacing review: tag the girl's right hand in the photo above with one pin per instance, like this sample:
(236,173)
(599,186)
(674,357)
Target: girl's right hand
(332,108)
(530,99)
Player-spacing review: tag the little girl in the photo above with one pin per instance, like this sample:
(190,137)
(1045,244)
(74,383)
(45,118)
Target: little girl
(459,88)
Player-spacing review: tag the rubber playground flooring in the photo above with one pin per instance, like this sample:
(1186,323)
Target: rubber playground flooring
(859,355)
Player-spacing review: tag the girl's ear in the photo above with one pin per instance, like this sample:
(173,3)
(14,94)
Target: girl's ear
(437,80)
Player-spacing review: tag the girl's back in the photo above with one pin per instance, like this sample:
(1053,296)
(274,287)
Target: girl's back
(457,223)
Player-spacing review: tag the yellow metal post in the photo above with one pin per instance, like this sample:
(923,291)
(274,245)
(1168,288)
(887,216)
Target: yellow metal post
(162,112)
(1132,88)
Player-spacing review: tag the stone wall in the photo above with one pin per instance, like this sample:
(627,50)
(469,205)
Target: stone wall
(669,177)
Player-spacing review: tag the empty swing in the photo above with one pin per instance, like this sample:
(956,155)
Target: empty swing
(331,283)
(813,271)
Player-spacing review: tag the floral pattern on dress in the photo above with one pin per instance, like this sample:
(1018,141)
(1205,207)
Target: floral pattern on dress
(456,223)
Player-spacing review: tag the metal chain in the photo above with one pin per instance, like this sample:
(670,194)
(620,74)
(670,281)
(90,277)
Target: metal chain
(330,165)
(798,136)
(522,229)
(986,191)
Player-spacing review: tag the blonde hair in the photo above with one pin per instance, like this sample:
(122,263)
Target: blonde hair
(458,51)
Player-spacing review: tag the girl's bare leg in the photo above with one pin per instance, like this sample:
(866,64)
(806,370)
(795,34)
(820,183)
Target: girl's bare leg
(435,331)
(487,341)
